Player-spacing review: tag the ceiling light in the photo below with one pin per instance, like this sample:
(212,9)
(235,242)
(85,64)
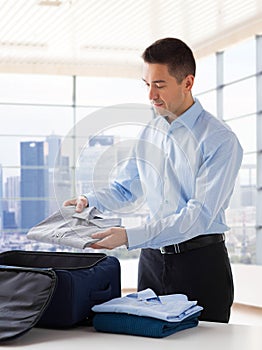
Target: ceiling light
(50,2)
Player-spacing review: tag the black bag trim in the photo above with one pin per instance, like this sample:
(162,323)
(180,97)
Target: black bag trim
(51,259)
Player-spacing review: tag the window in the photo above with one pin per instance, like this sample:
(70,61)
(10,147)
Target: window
(237,105)
(240,61)
(205,74)
(46,124)
(239,98)
(44,129)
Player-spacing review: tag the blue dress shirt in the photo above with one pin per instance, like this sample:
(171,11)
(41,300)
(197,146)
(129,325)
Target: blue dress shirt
(184,171)
(172,307)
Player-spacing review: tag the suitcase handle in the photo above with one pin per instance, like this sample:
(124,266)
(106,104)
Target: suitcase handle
(101,294)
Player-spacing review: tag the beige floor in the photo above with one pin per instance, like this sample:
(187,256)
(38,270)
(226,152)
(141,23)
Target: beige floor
(244,314)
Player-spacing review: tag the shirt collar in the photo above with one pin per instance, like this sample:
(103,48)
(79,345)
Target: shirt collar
(189,117)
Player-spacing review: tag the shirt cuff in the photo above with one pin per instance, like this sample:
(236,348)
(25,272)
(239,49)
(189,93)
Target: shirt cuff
(91,199)
(136,237)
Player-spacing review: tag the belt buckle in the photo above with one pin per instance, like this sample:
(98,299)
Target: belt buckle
(177,248)
(162,250)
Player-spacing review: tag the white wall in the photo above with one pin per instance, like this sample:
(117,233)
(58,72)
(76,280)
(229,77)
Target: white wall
(247,281)
(248,284)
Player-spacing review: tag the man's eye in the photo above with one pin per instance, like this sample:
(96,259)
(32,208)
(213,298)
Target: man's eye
(160,86)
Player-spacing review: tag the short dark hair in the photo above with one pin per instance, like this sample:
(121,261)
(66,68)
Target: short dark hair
(174,53)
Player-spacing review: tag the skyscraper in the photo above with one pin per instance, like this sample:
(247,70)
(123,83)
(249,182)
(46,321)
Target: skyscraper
(12,192)
(58,173)
(11,212)
(94,164)
(33,184)
(54,153)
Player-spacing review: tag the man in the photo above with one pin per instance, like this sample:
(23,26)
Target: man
(185,164)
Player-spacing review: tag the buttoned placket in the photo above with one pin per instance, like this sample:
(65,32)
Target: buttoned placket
(167,191)
(171,191)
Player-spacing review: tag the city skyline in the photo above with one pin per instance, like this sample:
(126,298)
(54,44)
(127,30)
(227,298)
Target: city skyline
(44,160)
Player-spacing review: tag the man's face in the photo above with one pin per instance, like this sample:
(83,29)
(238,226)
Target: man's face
(168,97)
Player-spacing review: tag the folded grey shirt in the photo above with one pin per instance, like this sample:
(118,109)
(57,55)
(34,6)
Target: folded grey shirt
(68,228)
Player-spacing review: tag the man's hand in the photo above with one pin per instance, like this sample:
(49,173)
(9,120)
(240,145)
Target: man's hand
(110,239)
(80,203)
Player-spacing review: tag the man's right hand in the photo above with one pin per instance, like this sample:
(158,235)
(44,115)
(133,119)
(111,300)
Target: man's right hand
(80,203)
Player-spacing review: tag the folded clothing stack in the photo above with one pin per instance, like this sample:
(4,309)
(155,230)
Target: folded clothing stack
(146,314)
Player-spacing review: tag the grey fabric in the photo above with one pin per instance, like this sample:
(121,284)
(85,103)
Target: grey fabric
(25,295)
(68,228)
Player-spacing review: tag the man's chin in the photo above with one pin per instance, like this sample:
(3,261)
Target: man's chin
(160,111)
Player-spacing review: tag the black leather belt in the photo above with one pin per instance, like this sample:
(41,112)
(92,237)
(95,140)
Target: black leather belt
(194,243)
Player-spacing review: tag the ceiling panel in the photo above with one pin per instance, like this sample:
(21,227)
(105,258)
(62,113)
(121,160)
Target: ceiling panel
(107,37)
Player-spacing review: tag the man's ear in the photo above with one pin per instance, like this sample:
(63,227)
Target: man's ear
(189,82)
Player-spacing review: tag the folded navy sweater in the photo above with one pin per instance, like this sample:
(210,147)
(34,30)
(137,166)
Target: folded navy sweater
(140,325)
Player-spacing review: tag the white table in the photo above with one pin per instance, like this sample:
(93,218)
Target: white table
(207,335)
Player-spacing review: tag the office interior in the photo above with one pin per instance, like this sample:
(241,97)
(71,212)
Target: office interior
(67,65)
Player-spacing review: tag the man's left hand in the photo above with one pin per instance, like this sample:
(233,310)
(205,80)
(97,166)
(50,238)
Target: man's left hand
(110,238)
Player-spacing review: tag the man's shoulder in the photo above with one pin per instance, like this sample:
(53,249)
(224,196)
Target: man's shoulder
(208,120)
(215,133)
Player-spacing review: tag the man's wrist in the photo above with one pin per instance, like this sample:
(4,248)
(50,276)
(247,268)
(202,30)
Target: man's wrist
(82,196)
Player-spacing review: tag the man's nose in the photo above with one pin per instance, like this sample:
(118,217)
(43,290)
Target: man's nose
(153,93)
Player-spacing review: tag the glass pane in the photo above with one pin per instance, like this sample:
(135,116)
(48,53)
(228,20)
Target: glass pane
(104,139)
(247,175)
(35,120)
(40,181)
(240,98)
(241,240)
(240,60)
(245,129)
(241,215)
(20,88)
(12,158)
(208,101)
(82,112)
(107,130)
(205,74)
(244,194)
(93,91)
(119,117)
(250,158)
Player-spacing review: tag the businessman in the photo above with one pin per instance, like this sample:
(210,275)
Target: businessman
(184,164)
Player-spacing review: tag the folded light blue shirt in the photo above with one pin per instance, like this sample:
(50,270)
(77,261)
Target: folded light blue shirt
(171,308)
(184,171)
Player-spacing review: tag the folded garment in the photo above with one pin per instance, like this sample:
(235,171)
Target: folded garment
(171,308)
(139,325)
(68,228)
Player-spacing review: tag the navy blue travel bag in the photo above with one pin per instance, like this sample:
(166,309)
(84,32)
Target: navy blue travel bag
(53,289)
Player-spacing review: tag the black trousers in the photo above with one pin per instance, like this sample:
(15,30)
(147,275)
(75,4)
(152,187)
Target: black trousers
(202,274)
